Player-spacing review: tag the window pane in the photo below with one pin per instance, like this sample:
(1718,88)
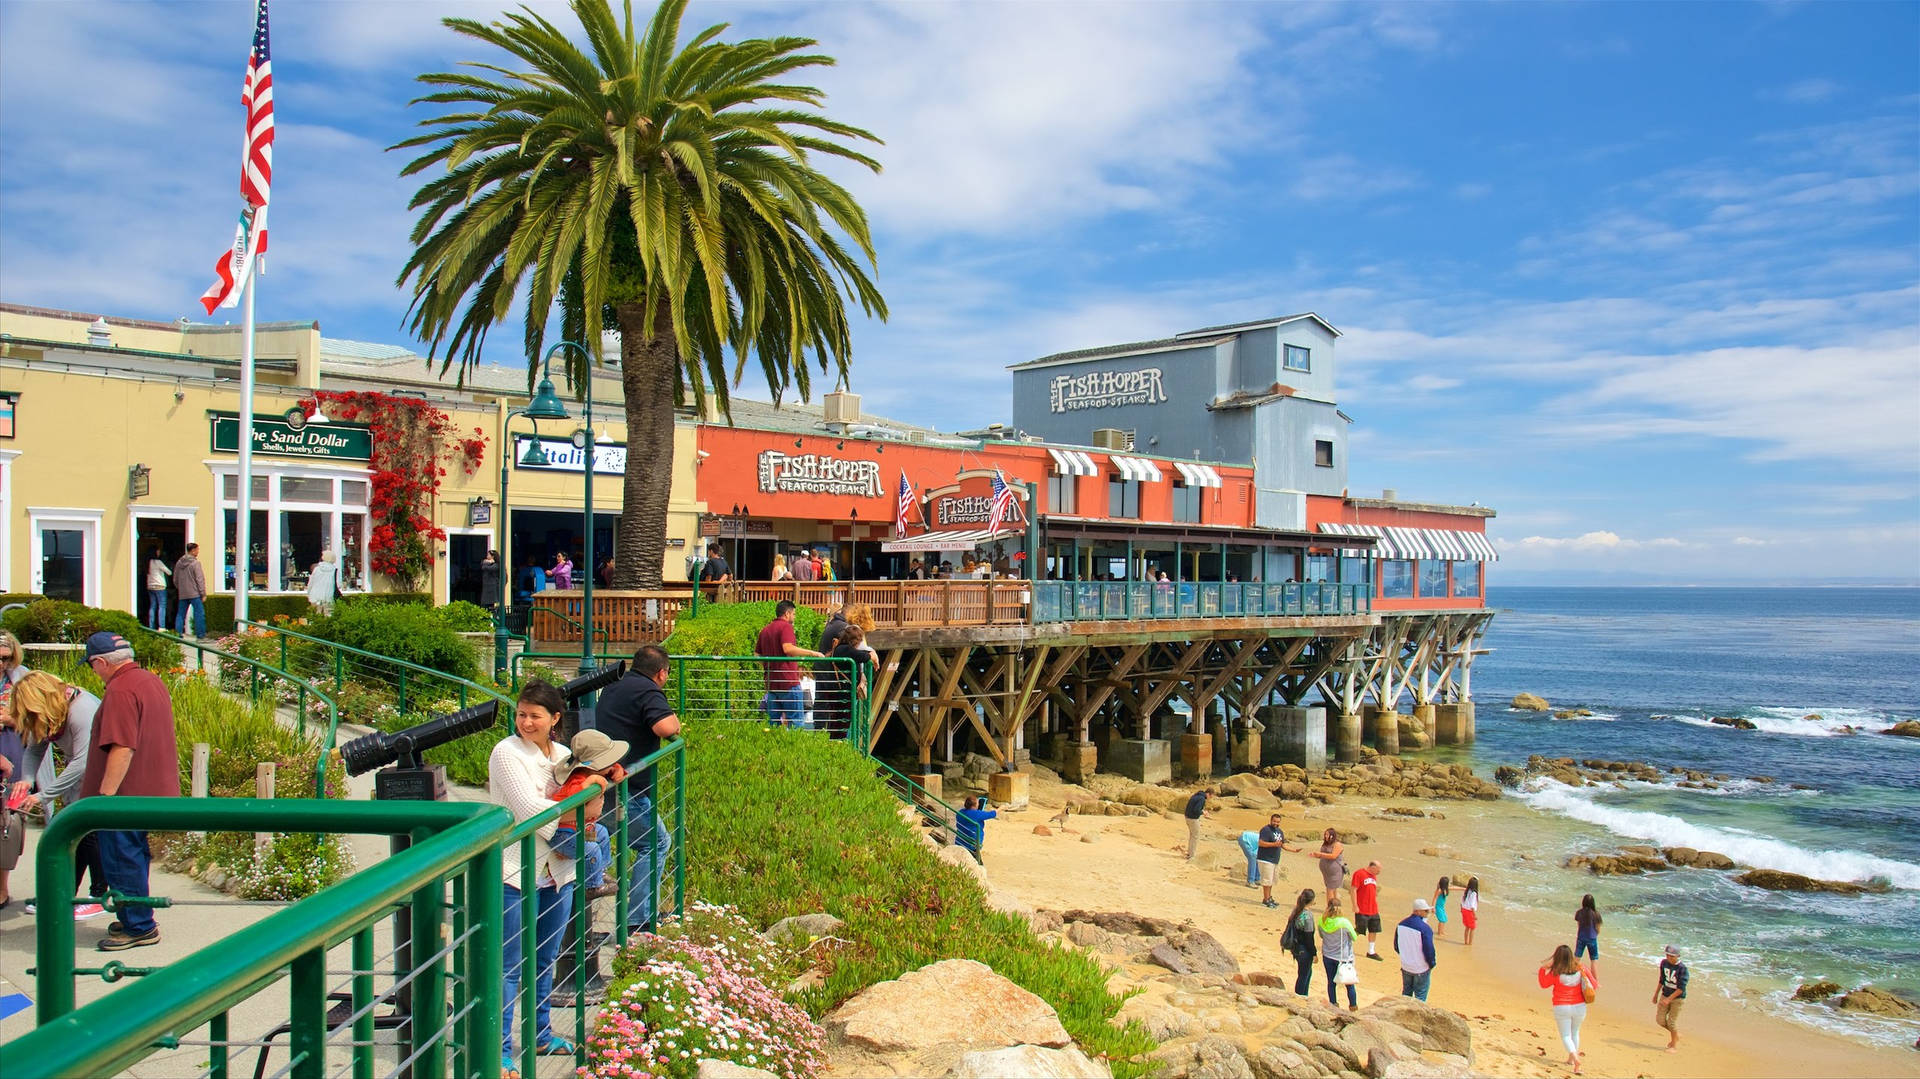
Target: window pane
(1123,498)
(1396,579)
(1061,493)
(230,488)
(257,539)
(305,489)
(1354,570)
(1466,579)
(1186,503)
(1298,359)
(1323,453)
(353,492)
(1320,567)
(353,558)
(1433,577)
(303,536)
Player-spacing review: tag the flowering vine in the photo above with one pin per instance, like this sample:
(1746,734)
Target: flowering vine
(410,440)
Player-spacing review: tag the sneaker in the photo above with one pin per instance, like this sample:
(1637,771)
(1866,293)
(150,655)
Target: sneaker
(1269,903)
(120,940)
(1375,956)
(32,908)
(89,910)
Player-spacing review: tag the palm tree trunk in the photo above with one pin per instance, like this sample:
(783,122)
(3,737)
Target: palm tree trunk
(649,364)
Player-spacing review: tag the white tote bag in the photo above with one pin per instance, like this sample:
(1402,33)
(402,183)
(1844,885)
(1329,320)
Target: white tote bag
(1345,974)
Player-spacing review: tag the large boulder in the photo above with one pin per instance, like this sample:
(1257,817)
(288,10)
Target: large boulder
(803,929)
(1161,1022)
(1816,991)
(1256,799)
(1736,722)
(1242,782)
(1775,880)
(1439,1030)
(1906,728)
(1280,1062)
(1712,859)
(1029,1062)
(955,855)
(1527,702)
(1878,1002)
(1212,1057)
(1203,953)
(954,1001)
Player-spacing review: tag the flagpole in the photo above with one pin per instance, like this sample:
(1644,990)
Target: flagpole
(243,546)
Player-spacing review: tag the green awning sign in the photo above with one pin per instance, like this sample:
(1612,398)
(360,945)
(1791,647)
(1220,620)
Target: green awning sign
(274,435)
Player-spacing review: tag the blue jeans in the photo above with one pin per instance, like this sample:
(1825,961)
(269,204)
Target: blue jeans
(595,855)
(1415,985)
(156,608)
(549,926)
(198,605)
(1332,967)
(786,707)
(647,835)
(1250,846)
(126,857)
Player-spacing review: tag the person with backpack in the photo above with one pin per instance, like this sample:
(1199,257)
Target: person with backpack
(1297,940)
(1573,987)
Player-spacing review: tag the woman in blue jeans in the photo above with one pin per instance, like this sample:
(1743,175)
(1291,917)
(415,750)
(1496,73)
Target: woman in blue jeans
(1250,846)
(520,776)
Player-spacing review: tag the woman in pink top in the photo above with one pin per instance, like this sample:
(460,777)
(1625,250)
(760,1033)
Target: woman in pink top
(1570,981)
(562,571)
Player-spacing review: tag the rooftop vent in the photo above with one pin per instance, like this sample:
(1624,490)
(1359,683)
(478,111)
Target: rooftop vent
(1112,438)
(99,335)
(1389,495)
(840,407)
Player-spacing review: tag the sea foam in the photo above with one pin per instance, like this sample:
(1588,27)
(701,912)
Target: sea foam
(1832,722)
(1760,852)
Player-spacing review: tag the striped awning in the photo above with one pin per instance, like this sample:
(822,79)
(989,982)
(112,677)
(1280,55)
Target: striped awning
(1454,545)
(950,541)
(1073,463)
(1136,468)
(1197,475)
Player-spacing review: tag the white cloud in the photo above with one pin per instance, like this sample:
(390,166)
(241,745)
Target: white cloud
(1341,177)
(1804,92)
(1594,541)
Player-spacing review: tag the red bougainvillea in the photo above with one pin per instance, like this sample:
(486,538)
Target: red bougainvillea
(410,440)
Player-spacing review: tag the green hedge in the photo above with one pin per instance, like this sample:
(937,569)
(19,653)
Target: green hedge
(7,598)
(783,824)
(730,629)
(259,609)
(404,631)
(55,621)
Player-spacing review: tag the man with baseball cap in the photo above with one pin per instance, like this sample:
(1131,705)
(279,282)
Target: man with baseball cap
(1413,939)
(1670,995)
(131,753)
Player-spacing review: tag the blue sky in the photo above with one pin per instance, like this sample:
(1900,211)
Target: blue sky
(1644,277)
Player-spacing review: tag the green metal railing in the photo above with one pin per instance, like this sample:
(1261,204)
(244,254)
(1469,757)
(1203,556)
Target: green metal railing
(449,881)
(415,688)
(1091,601)
(457,843)
(260,676)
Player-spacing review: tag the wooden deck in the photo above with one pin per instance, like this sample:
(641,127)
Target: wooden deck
(649,616)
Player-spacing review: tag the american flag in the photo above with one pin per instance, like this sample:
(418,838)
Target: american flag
(256,173)
(906,503)
(1002,508)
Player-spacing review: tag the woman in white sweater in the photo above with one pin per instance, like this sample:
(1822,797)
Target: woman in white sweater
(520,776)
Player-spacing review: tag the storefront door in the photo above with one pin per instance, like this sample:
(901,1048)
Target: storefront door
(66,557)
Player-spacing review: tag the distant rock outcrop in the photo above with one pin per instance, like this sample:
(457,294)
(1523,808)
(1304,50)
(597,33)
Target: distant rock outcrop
(1906,728)
(1527,702)
(1775,880)
(1878,1002)
(1736,722)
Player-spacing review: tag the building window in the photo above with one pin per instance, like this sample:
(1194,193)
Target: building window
(1063,494)
(8,404)
(1123,497)
(1396,579)
(1186,503)
(1356,571)
(1433,578)
(1323,452)
(1466,580)
(297,517)
(1321,567)
(1297,358)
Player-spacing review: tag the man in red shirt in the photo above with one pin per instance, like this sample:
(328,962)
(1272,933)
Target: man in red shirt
(784,703)
(1366,905)
(131,753)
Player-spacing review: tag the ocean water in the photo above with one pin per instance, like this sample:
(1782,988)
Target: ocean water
(1654,664)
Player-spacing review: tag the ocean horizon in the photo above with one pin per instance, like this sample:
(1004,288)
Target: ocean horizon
(1812,789)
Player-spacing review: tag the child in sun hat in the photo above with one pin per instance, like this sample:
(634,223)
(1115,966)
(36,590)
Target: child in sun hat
(595,763)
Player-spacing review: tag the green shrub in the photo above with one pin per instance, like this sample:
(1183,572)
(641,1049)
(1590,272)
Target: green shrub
(9,598)
(782,824)
(463,617)
(402,631)
(259,609)
(374,599)
(730,629)
(51,621)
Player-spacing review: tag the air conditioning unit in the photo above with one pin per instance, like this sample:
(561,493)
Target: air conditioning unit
(916,436)
(1112,438)
(841,407)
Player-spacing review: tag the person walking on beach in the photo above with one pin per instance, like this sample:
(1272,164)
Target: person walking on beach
(1250,846)
(1297,940)
(1670,995)
(1441,893)
(1336,953)
(1333,862)
(1196,807)
(1572,985)
(1272,842)
(1413,939)
(1366,905)
(1470,908)
(1586,939)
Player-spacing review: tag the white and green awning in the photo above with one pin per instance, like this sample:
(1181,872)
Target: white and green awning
(1454,545)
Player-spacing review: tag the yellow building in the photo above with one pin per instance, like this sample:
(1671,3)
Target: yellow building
(118,437)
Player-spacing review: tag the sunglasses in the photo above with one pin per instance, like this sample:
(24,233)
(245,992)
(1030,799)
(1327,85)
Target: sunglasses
(6,657)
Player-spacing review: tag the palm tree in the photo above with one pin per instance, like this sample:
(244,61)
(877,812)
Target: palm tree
(669,192)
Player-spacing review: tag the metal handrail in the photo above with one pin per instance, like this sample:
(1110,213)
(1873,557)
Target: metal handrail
(113,1033)
(302,685)
(463,685)
(916,796)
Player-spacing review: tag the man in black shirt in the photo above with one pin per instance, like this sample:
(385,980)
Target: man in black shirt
(634,710)
(1196,806)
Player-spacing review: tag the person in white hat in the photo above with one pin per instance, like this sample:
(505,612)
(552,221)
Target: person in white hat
(1413,939)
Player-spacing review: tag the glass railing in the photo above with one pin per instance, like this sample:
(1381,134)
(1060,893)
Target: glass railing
(1102,601)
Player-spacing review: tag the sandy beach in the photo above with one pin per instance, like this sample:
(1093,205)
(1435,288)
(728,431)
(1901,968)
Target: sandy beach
(1137,864)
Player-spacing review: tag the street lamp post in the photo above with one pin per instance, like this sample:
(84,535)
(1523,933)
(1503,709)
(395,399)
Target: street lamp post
(585,441)
(545,405)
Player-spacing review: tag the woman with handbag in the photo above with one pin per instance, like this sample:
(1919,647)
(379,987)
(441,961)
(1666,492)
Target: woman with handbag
(1336,953)
(1573,985)
(1298,941)
(50,714)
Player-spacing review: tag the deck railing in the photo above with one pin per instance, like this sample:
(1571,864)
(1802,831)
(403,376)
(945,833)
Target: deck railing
(1101,601)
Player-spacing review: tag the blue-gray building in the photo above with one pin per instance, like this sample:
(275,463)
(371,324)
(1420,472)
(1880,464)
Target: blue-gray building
(1258,393)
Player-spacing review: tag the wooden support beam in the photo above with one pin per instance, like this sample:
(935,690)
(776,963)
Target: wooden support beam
(1212,687)
(1170,679)
(886,688)
(1102,690)
(1272,674)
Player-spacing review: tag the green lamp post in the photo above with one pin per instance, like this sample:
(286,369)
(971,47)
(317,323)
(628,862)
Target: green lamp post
(545,405)
(583,439)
